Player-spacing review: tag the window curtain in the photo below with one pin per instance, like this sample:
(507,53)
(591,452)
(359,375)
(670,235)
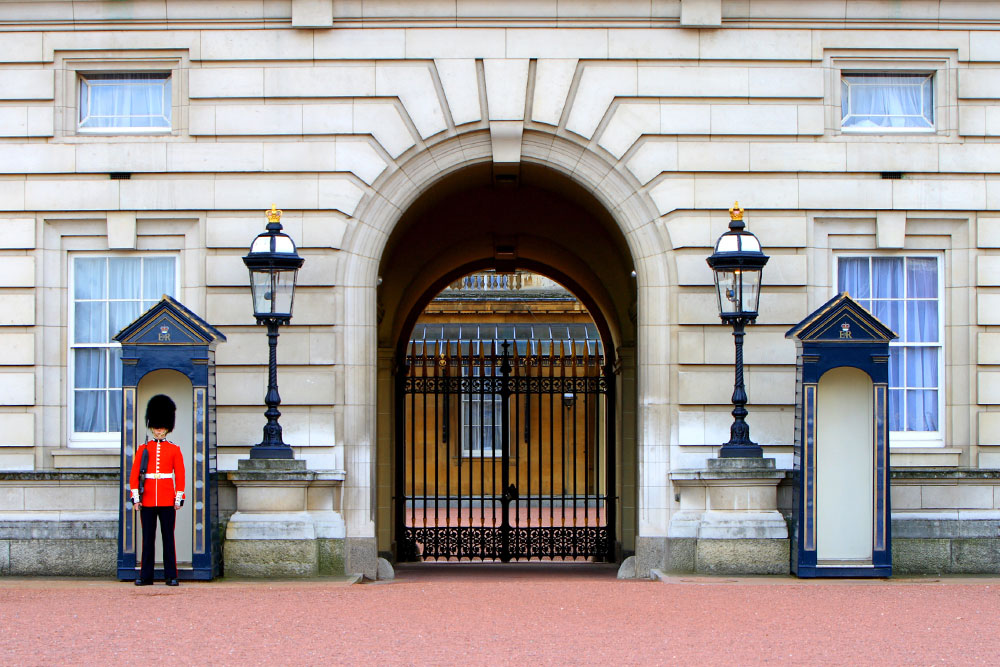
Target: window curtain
(886,100)
(125,100)
(903,294)
(109,294)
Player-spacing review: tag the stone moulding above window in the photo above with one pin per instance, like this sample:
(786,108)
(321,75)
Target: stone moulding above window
(96,94)
(930,76)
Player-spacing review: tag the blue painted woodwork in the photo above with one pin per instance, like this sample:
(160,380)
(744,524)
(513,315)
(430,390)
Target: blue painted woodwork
(169,336)
(840,333)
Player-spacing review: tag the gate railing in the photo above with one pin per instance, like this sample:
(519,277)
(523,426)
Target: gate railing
(504,452)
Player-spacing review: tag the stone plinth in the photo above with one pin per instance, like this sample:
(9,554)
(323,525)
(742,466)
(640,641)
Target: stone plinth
(287,521)
(729,521)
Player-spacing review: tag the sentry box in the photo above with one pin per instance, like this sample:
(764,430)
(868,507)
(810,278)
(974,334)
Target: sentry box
(842,517)
(170,350)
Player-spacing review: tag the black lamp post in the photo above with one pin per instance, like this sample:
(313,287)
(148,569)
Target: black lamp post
(274,265)
(737,263)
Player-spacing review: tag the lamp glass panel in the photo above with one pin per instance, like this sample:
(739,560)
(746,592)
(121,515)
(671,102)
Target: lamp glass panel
(726,291)
(260,285)
(751,289)
(738,290)
(284,291)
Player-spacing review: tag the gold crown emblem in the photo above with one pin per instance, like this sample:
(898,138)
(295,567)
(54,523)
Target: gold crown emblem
(274,215)
(736,213)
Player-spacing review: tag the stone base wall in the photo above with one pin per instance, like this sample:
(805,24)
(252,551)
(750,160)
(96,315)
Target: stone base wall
(283,558)
(58,548)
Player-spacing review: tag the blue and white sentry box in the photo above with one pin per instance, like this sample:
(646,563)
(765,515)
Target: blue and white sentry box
(170,350)
(842,525)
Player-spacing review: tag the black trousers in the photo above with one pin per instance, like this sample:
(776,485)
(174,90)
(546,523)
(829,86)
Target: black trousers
(167,516)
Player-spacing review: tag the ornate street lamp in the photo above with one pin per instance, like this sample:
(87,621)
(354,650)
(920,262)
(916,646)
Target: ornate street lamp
(737,263)
(274,265)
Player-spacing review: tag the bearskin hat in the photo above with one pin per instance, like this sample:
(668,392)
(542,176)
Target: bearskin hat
(160,412)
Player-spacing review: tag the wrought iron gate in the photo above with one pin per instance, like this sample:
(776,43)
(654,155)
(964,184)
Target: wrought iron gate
(505,451)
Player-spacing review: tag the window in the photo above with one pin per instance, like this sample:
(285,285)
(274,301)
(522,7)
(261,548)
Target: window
(108,293)
(904,293)
(887,101)
(481,418)
(125,102)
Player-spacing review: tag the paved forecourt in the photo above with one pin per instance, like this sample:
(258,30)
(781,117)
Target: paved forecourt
(485,613)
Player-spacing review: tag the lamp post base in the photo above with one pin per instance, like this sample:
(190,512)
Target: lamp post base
(748,451)
(271,452)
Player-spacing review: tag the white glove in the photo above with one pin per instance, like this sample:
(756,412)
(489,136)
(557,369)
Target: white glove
(135,497)
(179,500)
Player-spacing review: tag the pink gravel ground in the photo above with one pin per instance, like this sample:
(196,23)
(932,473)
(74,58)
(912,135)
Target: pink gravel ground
(525,614)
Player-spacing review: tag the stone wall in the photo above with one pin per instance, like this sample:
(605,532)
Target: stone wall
(343,113)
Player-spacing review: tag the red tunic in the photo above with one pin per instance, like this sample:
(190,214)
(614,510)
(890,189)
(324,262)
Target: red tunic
(164,458)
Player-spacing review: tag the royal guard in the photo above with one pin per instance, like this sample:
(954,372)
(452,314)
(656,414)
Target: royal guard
(157,487)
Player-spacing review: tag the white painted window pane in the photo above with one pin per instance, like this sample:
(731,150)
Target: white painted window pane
(89,410)
(89,322)
(887,100)
(89,274)
(123,277)
(125,100)
(157,277)
(122,314)
(90,366)
(921,410)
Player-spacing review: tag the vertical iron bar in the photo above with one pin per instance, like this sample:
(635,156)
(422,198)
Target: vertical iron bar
(562,433)
(423,457)
(599,438)
(516,440)
(446,420)
(493,432)
(552,448)
(541,448)
(532,365)
(576,488)
(505,369)
(413,458)
(609,448)
(437,446)
(468,441)
(586,438)
(482,452)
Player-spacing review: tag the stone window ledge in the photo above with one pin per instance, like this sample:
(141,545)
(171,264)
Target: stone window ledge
(89,458)
(925,457)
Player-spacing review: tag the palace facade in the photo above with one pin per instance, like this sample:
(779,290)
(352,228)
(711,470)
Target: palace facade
(410,144)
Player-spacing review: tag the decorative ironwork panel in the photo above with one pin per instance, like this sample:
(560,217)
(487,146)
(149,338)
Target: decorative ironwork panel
(504,456)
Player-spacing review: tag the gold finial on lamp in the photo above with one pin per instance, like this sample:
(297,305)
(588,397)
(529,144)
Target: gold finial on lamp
(274,215)
(736,213)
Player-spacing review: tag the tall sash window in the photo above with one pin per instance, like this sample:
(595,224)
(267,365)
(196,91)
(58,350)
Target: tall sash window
(108,293)
(905,294)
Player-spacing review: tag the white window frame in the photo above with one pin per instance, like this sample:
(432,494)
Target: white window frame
(927,77)
(470,404)
(914,438)
(83,77)
(941,64)
(102,438)
(72,65)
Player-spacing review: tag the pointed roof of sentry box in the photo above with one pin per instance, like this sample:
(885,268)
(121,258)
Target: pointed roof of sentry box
(169,322)
(844,320)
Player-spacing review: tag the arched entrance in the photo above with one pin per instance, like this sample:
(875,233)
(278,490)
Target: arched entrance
(544,223)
